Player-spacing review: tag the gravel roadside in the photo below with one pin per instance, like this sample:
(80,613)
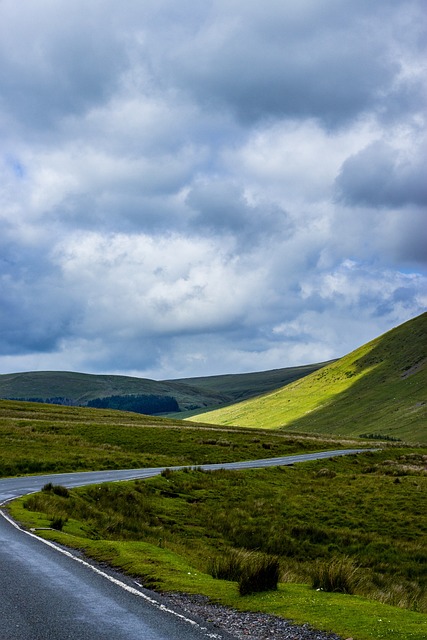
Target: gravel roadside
(244,625)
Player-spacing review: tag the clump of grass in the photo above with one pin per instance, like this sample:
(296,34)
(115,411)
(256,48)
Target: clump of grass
(408,596)
(57,489)
(254,572)
(227,566)
(260,573)
(167,473)
(325,473)
(58,523)
(339,575)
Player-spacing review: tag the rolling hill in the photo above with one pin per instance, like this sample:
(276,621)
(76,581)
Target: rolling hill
(379,389)
(83,389)
(240,386)
(171,397)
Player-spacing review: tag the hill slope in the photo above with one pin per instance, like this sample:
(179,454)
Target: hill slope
(379,389)
(70,388)
(190,394)
(239,386)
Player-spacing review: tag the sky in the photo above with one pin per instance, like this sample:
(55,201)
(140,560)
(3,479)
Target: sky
(195,188)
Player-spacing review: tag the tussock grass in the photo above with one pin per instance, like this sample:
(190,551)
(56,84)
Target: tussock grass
(58,523)
(58,489)
(254,572)
(339,575)
(227,566)
(259,573)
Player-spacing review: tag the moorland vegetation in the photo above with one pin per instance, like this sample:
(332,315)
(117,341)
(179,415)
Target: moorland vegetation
(41,438)
(332,541)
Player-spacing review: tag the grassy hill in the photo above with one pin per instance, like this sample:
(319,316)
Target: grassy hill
(378,389)
(240,386)
(191,395)
(70,388)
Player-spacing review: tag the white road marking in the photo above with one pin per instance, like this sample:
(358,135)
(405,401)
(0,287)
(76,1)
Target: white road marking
(119,583)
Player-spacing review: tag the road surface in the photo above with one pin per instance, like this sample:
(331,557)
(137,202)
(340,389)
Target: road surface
(49,593)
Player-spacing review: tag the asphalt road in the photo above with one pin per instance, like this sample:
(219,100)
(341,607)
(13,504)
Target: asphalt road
(49,593)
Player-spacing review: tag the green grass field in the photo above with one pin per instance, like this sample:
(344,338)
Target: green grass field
(41,438)
(379,389)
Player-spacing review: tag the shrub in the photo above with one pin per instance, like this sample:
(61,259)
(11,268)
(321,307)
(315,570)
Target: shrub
(260,573)
(227,566)
(58,523)
(338,575)
(57,489)
(253,571)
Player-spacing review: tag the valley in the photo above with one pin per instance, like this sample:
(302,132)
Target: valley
(343,539)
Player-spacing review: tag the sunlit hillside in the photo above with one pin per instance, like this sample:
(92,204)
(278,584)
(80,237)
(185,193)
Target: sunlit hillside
(378,389)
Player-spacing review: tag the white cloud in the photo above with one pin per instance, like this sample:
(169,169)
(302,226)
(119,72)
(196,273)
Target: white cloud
(144,287)
(297,161)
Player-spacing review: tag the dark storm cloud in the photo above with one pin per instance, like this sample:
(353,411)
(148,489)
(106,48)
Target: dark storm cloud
(326,60)
(35,314)
(219,207)
(330,60)
(381,176)
(55,62)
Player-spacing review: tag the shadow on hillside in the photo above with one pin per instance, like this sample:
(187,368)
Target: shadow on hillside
(390,396)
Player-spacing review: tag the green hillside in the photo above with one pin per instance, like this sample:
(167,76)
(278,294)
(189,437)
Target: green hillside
(379,389)
(187,396)
(70,388)
(240,386)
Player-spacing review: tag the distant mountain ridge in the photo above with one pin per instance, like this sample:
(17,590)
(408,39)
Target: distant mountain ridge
(142,394)
(378,390)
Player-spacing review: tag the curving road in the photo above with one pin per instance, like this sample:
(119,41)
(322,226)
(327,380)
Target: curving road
(50,593)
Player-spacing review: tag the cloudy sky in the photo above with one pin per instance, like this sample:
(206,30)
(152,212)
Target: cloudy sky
(199,187)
